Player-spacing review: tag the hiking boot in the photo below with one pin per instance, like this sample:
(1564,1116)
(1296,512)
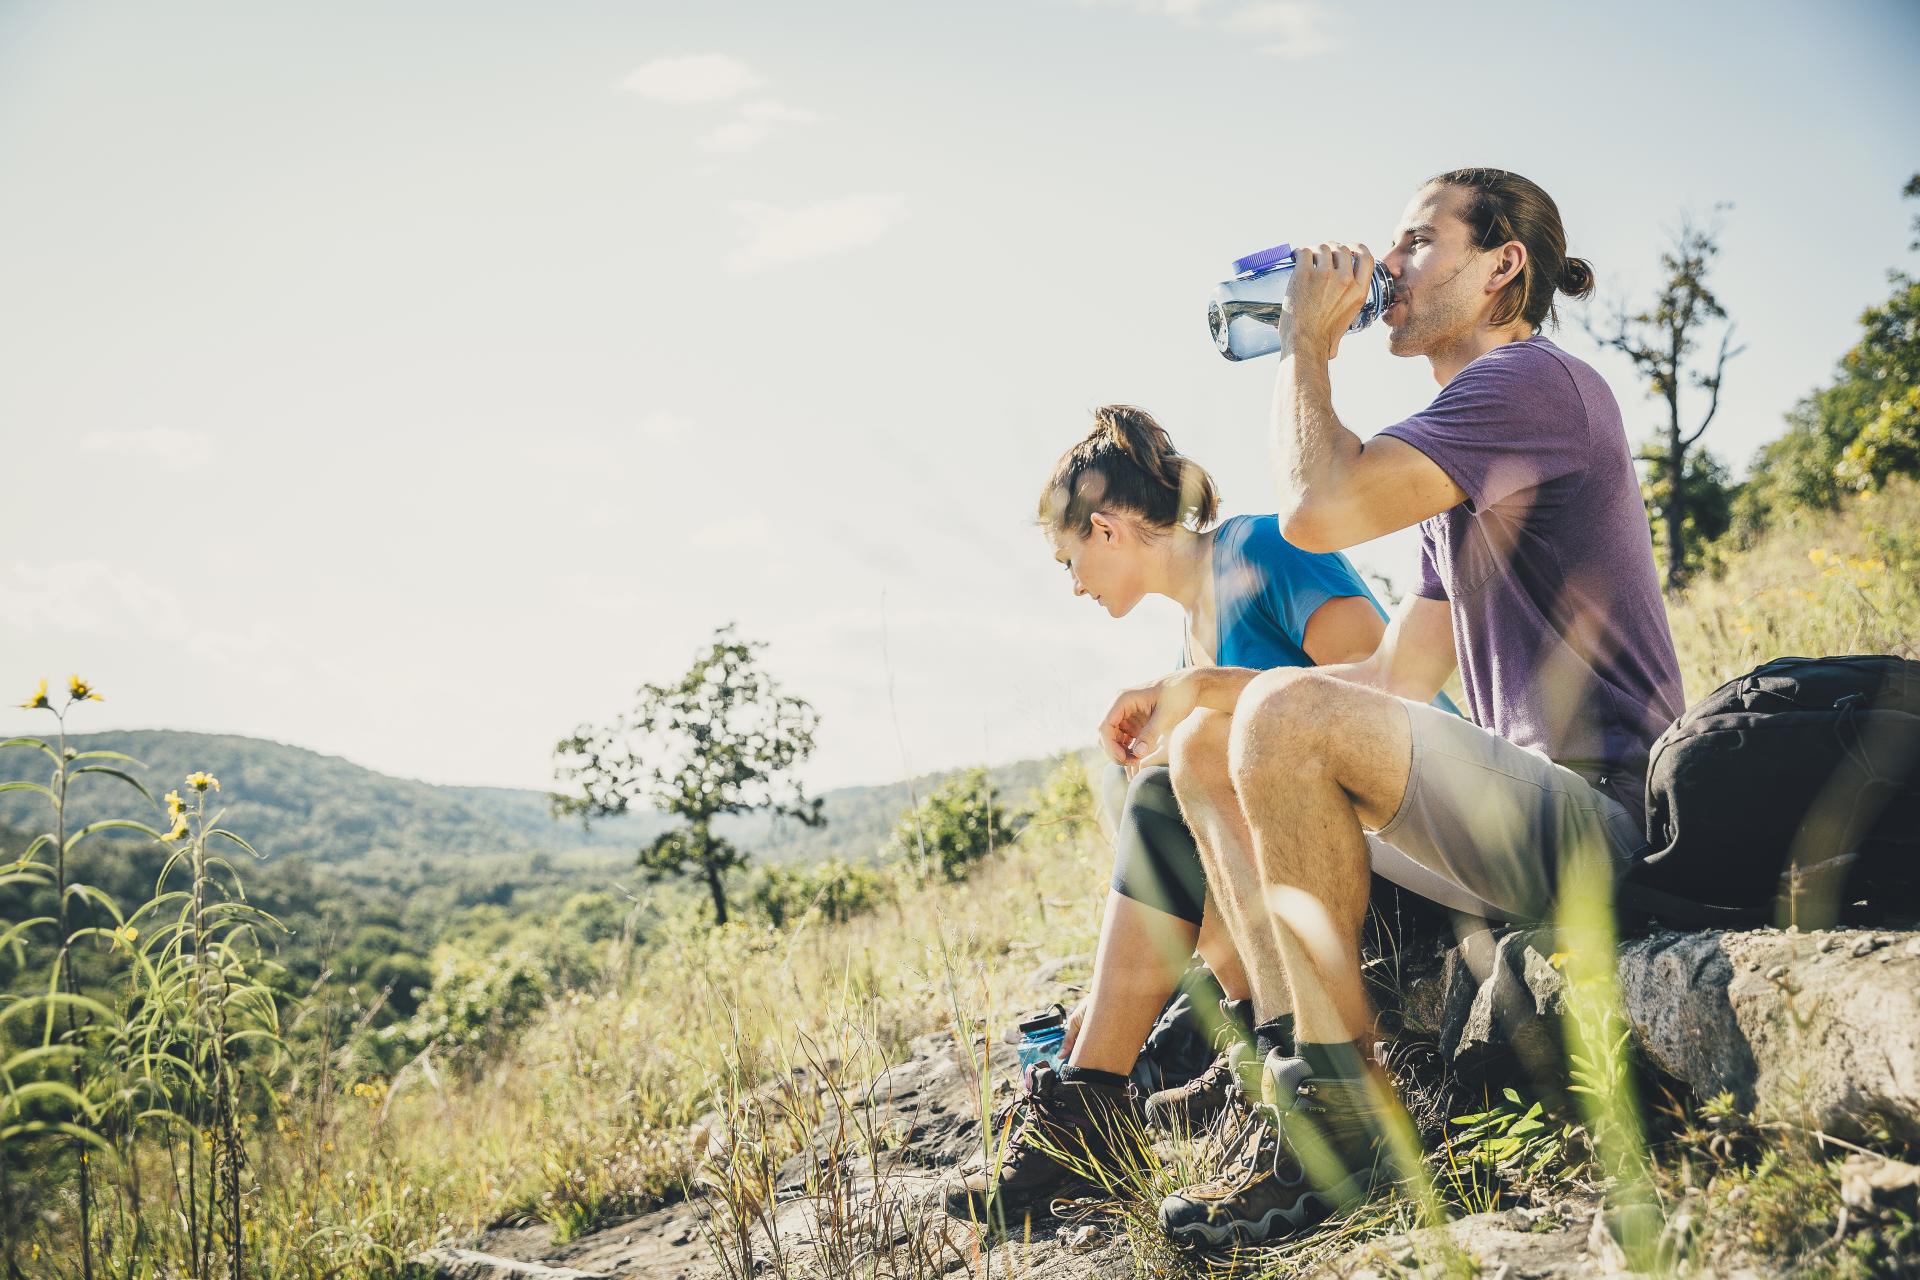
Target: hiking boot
(1314,1152)
(1059,1130)
(1191,1107)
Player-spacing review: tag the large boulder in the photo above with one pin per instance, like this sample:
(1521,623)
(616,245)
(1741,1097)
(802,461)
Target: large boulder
(1818,1029)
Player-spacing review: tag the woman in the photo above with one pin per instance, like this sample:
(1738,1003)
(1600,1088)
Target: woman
(1127,517)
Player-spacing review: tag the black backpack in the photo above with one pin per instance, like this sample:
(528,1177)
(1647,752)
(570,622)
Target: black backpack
(1789,795)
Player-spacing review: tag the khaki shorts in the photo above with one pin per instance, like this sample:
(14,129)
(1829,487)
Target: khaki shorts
(1485,825)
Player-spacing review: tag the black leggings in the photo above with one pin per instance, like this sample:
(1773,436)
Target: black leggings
(1155,859)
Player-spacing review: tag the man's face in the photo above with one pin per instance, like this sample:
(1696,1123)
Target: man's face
(1439,276)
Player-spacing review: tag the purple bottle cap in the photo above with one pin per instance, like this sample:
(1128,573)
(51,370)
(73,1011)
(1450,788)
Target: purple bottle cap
(1262,260)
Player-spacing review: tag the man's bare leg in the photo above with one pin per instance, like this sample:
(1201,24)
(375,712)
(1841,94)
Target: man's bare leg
(1313,758)
(1215,946)
(1201,783)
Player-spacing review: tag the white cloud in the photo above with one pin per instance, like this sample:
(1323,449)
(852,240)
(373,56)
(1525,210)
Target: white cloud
(776,235)
(1293,29)
(173,449)
(696,78)
(756,121)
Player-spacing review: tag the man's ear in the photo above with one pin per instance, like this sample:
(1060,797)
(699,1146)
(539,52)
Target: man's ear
(1512,261)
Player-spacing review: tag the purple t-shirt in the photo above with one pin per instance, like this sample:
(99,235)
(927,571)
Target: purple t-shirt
(1558,622)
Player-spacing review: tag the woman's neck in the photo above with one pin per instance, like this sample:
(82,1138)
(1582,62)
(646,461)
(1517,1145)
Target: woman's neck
(1180,567)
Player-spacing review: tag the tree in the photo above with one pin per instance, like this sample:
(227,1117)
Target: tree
(1855,433)
(955,827)
(1661,342)
(718,741)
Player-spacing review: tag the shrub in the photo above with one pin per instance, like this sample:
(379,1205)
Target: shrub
(956,826)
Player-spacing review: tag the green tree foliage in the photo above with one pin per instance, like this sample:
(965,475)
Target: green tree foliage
(1854,434)
(717,742)
(1662,341)
(1707,503)
(834,890)
(1062,810)
(956,826)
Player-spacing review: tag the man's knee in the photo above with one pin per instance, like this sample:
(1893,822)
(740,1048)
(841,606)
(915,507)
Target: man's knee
(1280,722)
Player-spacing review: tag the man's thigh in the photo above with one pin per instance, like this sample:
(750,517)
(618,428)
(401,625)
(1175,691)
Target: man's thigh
(1495,819)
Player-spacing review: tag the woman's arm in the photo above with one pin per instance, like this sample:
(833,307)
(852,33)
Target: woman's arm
(1344,629)
(1414,657)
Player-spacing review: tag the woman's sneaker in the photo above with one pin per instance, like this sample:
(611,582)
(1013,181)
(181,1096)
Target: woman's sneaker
(1062,1132)
(1292,1164)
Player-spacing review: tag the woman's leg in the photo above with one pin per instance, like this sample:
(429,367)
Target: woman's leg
(1152,920)
(1142,954)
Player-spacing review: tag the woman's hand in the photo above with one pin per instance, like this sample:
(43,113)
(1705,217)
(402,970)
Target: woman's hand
(1075,1016)
(1140,719)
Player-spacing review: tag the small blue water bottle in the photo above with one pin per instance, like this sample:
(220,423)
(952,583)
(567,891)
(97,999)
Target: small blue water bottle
(1244,313)
(1041,1038)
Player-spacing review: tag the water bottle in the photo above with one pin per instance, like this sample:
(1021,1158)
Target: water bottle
(1244,313)
(1040,1039)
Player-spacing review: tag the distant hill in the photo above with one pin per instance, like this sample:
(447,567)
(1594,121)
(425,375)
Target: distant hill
(289,800)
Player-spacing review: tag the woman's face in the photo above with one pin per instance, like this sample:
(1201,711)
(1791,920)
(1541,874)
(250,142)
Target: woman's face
(1104,563)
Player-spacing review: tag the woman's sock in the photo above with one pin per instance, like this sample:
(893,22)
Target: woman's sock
(1071,1074)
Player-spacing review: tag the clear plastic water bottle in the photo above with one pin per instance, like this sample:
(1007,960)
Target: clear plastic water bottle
(1040,1039)
(1244,313)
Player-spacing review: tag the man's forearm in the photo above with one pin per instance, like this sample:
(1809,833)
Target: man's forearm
(1310,445)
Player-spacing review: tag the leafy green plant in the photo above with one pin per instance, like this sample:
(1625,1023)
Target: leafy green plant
(953,828)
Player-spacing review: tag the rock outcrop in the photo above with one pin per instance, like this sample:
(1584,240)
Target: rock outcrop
(1821,1030)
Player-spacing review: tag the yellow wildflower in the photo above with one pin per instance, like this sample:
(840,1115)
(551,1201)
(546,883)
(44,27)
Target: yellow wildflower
(201,781)
(1872,564)
(126,933)
(179,828)
(39,698)
(1818,555)
(1558,959)
(81,691)
(175,806)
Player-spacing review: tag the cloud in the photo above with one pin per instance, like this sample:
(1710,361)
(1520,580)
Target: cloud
(172,449)
(755,122)
(776,235)
(1293,29)
(696,78)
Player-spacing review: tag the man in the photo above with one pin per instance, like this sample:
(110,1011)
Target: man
(1536,579)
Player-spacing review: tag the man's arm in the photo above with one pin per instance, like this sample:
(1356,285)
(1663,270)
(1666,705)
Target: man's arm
(1337,490)
(1415,656)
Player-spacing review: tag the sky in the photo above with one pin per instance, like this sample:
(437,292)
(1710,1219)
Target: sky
(412,382)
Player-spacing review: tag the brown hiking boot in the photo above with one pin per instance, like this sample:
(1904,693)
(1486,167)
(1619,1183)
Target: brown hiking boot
(1191,1107)
(1047,1147)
